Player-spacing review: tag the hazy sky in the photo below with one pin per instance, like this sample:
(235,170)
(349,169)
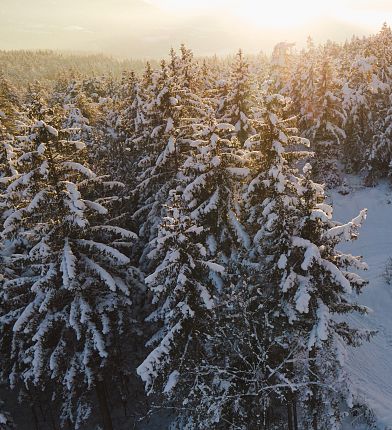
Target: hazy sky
(148,28)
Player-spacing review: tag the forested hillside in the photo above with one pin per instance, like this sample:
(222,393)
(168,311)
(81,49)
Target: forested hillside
(168,245)
(23,67)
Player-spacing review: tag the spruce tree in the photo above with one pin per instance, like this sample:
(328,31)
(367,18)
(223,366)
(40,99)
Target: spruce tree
(236,106)
(278,343)
(183,295)
(68,305)
(302,87)
(213,175)
(327,133)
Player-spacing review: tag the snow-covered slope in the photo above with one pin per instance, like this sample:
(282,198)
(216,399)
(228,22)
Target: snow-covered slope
(371,364)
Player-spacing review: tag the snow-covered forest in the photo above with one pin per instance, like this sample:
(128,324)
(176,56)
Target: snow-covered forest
(169,252)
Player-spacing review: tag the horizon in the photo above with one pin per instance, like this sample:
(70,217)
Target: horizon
(147,29)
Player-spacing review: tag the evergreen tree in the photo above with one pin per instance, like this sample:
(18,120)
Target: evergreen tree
(327,132)
(6,422)
(302,87)
(68,306)
(237,104)
(281,63)
(278,341)
(9,107)
(183,295)
(172,109)
(380,156)
(357,102)
(377,156)
(213,175)
(305,281)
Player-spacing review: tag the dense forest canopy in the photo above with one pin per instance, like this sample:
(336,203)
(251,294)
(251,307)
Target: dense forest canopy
(168,224)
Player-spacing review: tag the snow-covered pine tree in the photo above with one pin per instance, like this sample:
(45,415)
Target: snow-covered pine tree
(9,107)
(357,102)
(281,63)
(183,294)
(327,133)
(302,87)
(35,101)
(9,125)
(213,175)
(160,153)
(379,162)
(378,155)
(278,342)
(189,71)
(171,110)
(305,282)
(77,107)
(6,422)
(236,105)
(380,47)
(127,101)
(68,306)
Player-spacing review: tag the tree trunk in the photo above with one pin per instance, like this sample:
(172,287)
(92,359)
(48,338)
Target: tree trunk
(35,417)
(103,405)
(295,416)
(290,413)
(313,379)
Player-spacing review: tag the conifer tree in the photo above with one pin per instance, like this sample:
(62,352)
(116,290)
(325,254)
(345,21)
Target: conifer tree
(376,163)
(69,303)
(278,342)
(357,102)
(302,87)
(305,278)
(327,133)
(183,295)
(280,66)
(10,107)
(213,175)
(171,110)
(237,104)
(379,161)
(6,422)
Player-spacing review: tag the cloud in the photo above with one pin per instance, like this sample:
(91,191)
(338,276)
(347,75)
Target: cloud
(77,28)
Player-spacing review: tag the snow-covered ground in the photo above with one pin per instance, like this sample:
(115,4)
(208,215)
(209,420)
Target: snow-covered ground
(371,364)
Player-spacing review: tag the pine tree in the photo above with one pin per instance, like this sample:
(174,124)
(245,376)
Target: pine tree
(380,156)
(277,341)
(280,66)
(327,132)
(160,154)
(9,107)
(306,278)
(183,295)
(171,110)
(77,110)
(6,422)
(302,87)
(213,175)
(377,157)
(236,106)
(69,303)
(357,101)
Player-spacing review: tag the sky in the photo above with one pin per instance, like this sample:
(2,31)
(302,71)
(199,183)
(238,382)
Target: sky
(149,28)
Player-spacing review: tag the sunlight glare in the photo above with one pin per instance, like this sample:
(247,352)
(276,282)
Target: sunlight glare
(259,13)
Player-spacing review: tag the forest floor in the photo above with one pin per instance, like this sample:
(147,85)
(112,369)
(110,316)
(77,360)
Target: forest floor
(370,366)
